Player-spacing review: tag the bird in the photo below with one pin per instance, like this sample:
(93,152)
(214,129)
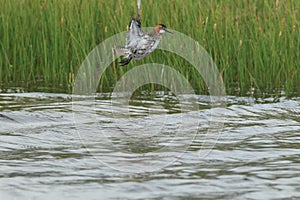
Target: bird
(138,43)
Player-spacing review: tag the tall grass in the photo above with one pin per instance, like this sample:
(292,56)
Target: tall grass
(255,44)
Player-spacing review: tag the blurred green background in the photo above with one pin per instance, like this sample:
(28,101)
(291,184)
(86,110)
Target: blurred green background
(255,44)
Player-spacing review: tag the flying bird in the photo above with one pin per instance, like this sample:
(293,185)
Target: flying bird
(138,43)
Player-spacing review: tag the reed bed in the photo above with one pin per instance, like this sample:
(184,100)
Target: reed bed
(255,44)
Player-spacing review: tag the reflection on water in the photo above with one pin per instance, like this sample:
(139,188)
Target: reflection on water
(56,146)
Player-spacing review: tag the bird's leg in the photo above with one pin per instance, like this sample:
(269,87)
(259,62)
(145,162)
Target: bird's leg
(125,61)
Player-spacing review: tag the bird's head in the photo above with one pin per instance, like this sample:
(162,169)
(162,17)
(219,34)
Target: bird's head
(161,28)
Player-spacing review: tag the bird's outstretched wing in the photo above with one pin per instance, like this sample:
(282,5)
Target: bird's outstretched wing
(134,32)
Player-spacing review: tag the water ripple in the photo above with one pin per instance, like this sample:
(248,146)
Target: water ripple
(51,150)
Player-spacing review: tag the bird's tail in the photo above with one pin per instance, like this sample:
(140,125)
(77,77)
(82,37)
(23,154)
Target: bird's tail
(120,51)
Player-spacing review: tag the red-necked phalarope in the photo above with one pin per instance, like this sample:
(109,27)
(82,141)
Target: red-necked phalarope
(138,43)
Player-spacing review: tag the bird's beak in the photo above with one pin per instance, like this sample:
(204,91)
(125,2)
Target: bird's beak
(168,31)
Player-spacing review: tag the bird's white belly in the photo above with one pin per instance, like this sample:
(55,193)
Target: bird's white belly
(154,46)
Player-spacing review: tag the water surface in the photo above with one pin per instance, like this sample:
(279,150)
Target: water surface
(54,146)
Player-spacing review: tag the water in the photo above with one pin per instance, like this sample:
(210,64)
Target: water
(54,146)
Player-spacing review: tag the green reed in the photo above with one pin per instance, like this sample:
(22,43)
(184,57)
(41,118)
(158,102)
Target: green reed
(255,44)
